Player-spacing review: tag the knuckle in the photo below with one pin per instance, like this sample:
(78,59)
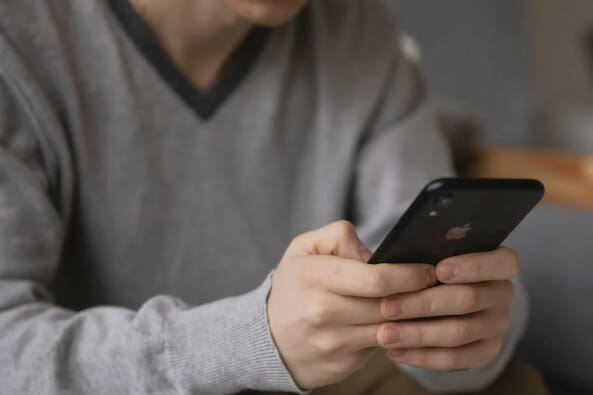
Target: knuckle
(463,334)
(318,315)
(336,370)
(416,336)
(421,358)
(328,344)
(418,306)
(470,299)
(451,360)
(512,254)
(385,306)
(513,260)
(466,266)
(416,278)
(334,270)
(505,319)
(494,349)
(498,347)
(344,228)
(375,281)
(298,240)
(509,290)
(309,278)
(425,277)
(426,306)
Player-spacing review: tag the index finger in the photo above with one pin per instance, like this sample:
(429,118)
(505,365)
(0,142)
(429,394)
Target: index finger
(500,264)
(354,278)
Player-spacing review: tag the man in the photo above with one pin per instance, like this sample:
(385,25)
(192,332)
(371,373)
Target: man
(158,157)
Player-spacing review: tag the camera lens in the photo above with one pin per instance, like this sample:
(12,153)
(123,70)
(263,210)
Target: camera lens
(444,200)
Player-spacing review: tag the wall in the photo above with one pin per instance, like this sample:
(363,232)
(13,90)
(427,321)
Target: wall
(475,53)
(563,73)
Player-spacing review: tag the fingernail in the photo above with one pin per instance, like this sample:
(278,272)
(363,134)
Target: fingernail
(365,254)
(393,308)
(447,271)
(396,353)
(391,336)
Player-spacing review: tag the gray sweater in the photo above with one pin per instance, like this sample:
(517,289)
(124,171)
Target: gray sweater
(140,218)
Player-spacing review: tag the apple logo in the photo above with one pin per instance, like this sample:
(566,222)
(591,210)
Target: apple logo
(459,232)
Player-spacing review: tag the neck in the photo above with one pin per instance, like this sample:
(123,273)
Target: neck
(199,35)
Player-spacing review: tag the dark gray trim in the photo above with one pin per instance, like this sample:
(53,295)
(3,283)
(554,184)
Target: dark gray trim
(204,103)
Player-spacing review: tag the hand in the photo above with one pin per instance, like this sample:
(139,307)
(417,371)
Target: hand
(471,311)
(324,306)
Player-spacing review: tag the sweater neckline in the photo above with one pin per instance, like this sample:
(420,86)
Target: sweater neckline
(206,102)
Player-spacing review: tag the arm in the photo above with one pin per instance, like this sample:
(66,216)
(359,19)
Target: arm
(403,151)
(166,346)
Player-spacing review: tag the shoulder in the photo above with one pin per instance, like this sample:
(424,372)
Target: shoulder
(38,28)
(355,49)
(359,27)
(32,15)
(351,38)
(42,43)
(356,13)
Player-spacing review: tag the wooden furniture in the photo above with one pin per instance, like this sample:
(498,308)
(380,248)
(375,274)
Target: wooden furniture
(568,177)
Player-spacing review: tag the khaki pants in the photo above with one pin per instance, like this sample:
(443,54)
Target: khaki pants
(381,377)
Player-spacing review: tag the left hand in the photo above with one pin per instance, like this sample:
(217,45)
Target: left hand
(470,314)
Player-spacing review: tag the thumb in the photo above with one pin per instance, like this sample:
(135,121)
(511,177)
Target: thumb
(338,239)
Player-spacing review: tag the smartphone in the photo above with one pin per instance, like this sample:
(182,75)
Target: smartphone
(454,216)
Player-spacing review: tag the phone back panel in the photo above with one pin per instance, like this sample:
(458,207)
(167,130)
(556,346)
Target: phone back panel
(454,216)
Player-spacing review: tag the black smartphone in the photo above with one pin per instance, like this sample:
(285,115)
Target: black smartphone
(454,216)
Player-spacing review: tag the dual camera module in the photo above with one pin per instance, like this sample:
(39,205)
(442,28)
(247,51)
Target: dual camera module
(442,201)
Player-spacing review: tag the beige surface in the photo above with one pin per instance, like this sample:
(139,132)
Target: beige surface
(381,377)
(568,178)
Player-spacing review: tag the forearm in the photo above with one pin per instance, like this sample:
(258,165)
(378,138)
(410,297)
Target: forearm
(234,347)
(167,346)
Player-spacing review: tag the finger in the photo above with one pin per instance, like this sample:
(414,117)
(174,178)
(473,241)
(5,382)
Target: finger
(354,278)
(446,359)
(445,300)
(338,238)
(351,310)
(360,337)
(444,332)
(345,339)
(500,264)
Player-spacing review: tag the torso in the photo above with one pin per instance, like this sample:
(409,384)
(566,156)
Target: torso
(157,199)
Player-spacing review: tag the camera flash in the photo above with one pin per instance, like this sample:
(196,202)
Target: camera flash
(433,213)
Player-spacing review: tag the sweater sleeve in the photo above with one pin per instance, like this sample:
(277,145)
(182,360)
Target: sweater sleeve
(402,152)
(165,347)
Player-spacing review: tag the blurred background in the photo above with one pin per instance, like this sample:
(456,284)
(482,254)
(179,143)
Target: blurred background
(527,66)
(515,81)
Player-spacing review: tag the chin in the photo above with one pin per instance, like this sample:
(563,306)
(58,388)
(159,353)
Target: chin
(267,12)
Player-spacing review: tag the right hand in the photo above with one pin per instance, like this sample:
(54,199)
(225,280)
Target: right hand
(324,305)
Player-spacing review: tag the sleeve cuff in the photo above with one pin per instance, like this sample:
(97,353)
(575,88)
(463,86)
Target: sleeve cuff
(226,346)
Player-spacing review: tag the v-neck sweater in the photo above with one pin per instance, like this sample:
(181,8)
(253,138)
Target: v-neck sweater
(138,233)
